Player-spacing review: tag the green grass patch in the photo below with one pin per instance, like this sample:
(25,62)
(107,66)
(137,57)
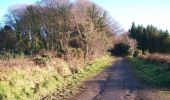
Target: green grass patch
(151,73)
(73,81)
(35,83)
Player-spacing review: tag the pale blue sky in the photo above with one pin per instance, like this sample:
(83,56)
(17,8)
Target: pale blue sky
(5,4)
(156,12)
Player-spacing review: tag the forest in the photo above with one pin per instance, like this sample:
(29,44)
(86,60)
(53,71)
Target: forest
(151,38)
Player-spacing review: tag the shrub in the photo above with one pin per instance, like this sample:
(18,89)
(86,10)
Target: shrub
(137,53)
(64,70)
(122,48)
(75,58)
(42,60)
(146,52)
(39,61)
(46,57)
(6,55)
(76,43)
(128,43)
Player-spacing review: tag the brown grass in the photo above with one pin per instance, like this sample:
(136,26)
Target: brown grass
(18,62)
(156,57)
(74,60)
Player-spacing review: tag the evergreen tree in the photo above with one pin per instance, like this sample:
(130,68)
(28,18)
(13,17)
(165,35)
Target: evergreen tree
(150,38)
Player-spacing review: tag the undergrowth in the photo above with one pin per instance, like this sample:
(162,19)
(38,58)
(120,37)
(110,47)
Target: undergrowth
(37,83)
(156,57)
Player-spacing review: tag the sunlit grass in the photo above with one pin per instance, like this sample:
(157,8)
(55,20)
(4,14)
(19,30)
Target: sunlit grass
(35,83)
(152,73)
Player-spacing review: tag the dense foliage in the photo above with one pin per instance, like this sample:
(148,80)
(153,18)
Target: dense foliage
(121,48)
(151,38)
(56,25)
(124,45)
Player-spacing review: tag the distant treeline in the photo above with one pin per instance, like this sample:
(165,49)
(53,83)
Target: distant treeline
(151,38)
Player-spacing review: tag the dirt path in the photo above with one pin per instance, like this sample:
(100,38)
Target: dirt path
(118,83)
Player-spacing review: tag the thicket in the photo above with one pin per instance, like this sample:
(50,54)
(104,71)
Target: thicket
(80,29)
(124,45)
(122,48)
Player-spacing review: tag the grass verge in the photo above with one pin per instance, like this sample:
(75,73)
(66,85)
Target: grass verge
(151,73)
(72,83)
(36,83)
